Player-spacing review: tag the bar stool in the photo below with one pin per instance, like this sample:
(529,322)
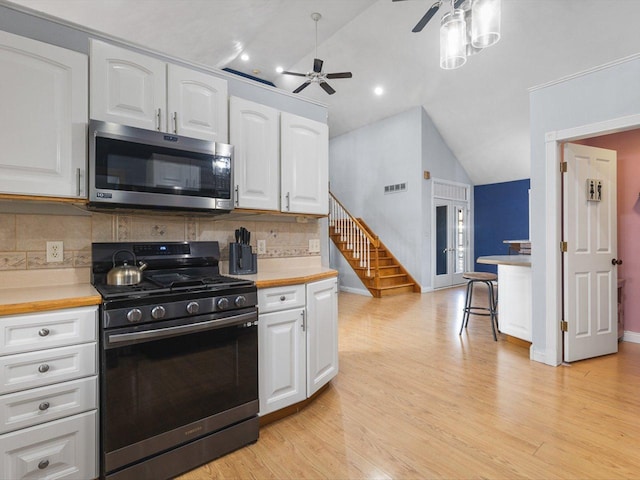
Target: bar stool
(487,279)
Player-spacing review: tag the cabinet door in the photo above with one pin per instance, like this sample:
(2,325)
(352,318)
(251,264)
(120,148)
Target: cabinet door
(281,359)
(304,165)
(197,104)
(61,449)
(322,333)
(127,87)
(254,133)
(43,125)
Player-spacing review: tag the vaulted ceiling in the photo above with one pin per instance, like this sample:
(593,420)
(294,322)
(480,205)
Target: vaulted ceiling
(481,109)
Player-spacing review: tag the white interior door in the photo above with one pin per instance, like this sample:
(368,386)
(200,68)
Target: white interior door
(451,242)
(590,230)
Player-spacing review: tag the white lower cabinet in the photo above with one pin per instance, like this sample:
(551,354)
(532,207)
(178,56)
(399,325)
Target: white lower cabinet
(298,342)
(49,395)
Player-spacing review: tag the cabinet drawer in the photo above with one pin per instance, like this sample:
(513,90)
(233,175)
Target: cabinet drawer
(25,333)
(36,369)
(281,298)
(39,405)
(61,449)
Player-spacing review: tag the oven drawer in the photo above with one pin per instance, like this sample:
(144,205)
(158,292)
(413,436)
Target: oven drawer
(281,298)
(61,449)
(57,328)
(39,405)
(36,369)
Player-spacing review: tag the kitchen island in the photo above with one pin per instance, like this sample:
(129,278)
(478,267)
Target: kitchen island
(514,293)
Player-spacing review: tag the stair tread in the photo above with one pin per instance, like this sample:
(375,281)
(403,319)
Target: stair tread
(390,287)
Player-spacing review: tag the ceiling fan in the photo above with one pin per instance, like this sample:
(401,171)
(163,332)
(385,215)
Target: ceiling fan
(433,9)
(317,75)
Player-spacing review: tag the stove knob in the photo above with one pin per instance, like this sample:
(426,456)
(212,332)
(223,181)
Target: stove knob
(193,307)
(223,303)
(241,301)
(134,315)
(158,312)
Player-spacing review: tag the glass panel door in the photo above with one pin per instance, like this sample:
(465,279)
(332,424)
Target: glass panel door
(451,242)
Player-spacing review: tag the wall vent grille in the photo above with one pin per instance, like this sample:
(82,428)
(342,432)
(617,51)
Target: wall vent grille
(395,188)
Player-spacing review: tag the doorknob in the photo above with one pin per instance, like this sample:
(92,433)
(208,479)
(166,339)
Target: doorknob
(616,262)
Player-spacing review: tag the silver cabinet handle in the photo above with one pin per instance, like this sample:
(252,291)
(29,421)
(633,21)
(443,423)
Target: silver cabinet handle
(43,406)
(288,202)
(237,195)
(79,186)
(175,122)
(283,298)
(43,332)
(44,368)
(304,321)
(158,119)
(43,464)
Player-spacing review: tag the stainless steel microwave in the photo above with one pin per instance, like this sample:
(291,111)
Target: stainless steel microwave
(144,169)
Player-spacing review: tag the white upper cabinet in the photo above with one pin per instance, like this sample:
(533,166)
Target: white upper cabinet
(43,126)
(254,133)
(197,104)
(304,165)
(133,89)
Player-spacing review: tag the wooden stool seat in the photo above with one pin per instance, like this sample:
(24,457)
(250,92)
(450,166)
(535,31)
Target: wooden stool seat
(491,311)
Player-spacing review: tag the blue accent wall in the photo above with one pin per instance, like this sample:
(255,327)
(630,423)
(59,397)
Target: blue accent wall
(501,212)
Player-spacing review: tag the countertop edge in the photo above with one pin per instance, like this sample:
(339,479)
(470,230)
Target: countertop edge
(45,305)
(513,260)
(284,281)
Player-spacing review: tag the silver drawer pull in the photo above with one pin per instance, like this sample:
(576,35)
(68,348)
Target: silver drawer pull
(43,332)
(283,298)
(44,368)
(44,406)
(43,464)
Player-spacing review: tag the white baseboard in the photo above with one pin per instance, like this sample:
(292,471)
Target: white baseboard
(357,291)
(633,337)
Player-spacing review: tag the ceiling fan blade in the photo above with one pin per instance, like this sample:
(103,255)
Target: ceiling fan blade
(457,3)
(317,65)
(339,75)
(327,88)
(301,87)
(295,73)
(427,16)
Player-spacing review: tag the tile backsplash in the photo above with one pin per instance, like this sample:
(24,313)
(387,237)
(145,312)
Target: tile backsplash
(23,237)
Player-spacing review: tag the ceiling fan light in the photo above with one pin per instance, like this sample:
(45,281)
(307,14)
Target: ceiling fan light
(453,40)
(485,27)
(471,50)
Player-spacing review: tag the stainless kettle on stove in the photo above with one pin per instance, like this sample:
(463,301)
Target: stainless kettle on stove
(125,274)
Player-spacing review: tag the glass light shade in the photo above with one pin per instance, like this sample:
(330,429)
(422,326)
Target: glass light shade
(471,50)
(485,27)
(453,40)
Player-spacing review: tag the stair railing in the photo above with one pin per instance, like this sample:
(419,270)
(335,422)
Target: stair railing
(357,238)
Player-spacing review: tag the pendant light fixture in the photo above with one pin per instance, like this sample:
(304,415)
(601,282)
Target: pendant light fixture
(453,33)
(485,30)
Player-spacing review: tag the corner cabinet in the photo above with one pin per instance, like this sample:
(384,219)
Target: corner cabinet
(43,126)
(298,342)
(281,159)
(49,395)
(133,89)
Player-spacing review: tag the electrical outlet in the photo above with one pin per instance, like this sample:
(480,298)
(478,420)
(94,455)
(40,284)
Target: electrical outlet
(262,247)
(55,252)
(314,245)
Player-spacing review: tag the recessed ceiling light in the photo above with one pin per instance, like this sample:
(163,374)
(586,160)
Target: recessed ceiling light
(279,69)
(378,90)
(244,57)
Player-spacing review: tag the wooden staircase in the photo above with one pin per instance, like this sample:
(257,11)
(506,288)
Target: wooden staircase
(370,259)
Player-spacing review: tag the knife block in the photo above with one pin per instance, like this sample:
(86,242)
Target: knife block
(242,260)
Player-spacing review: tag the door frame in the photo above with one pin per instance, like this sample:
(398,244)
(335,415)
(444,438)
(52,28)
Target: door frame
(552,355)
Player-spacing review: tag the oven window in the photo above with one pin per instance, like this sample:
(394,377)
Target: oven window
(130,166)
(154,387)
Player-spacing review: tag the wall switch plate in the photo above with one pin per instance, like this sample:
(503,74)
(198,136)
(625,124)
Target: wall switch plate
(262,247)
(55,252)
(314,245)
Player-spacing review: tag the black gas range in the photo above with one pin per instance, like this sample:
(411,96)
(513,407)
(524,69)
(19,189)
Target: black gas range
(179,354)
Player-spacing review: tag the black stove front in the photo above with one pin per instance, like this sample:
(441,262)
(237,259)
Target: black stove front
(179,361)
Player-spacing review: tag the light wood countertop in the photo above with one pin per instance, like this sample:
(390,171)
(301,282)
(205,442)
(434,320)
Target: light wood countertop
(278,272)
(30,299)
(515,260)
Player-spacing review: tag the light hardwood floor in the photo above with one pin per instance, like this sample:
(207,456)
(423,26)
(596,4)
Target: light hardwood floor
(413,399)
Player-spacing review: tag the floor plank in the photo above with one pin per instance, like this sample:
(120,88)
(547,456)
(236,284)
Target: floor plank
(414,399)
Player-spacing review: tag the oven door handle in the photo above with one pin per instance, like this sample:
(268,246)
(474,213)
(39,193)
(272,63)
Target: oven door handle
(115,339)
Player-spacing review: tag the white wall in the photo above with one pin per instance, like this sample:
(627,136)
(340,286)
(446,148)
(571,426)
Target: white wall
(394,150)
(602,95)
